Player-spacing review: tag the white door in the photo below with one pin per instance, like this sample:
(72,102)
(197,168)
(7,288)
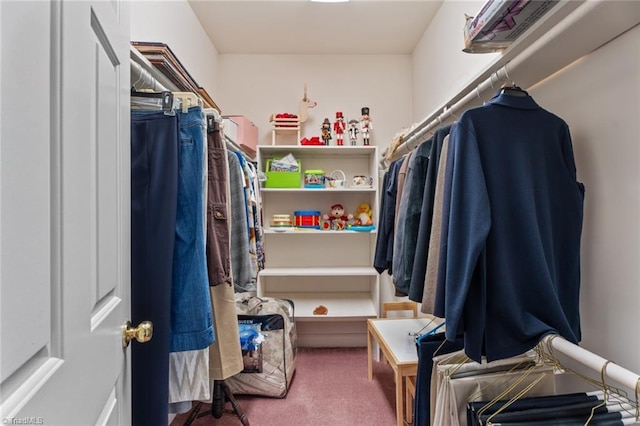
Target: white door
(64,212)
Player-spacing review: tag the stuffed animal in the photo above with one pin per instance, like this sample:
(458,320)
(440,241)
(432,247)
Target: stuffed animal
(363,215)
(336,220)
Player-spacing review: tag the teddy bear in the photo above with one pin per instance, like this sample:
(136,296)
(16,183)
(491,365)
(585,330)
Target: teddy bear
(363,215)
(336,219)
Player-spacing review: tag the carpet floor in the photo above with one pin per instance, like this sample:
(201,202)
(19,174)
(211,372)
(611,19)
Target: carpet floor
(329,388)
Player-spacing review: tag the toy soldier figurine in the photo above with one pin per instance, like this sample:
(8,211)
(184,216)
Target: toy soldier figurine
(326,131)
(339,127)
(353,131)
(365,125)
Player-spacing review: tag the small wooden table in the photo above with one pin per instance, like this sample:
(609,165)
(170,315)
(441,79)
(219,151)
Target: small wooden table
(395,338)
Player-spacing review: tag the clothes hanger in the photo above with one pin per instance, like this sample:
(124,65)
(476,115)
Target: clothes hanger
(187,100)
(152,100)
(509,87)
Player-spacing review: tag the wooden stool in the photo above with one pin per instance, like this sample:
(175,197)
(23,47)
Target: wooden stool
(409,397)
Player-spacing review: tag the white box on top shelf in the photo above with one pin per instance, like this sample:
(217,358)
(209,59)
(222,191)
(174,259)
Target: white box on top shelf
(500,22)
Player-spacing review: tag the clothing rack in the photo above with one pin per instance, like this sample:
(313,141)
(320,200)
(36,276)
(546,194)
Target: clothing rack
(601,366)
(554,42)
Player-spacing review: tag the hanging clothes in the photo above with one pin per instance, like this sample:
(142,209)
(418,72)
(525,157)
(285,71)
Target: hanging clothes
(383,256)
(191,315)
(154,189)
(429,292)
(513,235)
(425,217)
(404,245)
(240,251)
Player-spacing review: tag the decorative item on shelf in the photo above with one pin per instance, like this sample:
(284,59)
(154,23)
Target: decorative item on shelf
(307,219)
(336,180)
(325,130)
(353,132)
(315,140)
(336,220)
(363,215)
(320,310)
(289,121)
(365,126)
(339,128)
(281,221)
(314,179)
(361,181)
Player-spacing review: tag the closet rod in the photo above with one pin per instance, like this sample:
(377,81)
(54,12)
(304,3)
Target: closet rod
(142,79)
(595,362)
(535,57)
(143,63)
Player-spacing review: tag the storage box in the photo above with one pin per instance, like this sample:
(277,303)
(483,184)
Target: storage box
(246,133)
(283,179)
(314,178)
(307,219)
(500,22)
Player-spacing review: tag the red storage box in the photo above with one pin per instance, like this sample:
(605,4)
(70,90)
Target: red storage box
(247,132)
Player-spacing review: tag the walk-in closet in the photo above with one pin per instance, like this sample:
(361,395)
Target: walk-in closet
(346,212)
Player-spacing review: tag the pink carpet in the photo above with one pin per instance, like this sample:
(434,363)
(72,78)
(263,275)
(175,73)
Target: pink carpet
(329,388)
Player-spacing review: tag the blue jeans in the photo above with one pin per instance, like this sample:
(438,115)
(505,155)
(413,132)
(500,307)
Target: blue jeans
(154,188)
(191,314)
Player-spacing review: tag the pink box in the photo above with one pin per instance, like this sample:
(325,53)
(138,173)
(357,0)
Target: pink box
(247,136)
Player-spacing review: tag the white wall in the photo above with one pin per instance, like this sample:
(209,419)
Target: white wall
(174,23)
(599,97)
(259,85)
(440,67)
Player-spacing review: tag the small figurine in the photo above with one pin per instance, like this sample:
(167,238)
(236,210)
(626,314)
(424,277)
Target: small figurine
(353,131)
(363,216)
(339,127)
(365,125)
(336,220)
(326,131)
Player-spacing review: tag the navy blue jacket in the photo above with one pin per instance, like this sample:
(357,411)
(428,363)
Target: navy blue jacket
(515,222)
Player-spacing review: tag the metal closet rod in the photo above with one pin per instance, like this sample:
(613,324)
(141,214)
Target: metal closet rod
(595,362)
(415,137)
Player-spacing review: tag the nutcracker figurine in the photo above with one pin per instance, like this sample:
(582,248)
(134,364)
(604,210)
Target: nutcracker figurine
(353,131)
(365,125)
(326,131)
(339,127)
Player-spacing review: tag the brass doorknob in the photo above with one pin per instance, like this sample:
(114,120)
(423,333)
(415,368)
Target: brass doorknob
(142,333)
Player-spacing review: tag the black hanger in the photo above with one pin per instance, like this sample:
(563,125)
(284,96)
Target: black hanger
(512,89)
(167,97)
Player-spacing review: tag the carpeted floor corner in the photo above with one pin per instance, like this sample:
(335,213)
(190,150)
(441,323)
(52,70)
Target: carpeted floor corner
(329,388)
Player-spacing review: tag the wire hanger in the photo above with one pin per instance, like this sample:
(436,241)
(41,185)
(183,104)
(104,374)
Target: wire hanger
(509,87)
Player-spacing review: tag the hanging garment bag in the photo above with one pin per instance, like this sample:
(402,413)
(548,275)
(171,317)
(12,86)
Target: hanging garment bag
(268,340)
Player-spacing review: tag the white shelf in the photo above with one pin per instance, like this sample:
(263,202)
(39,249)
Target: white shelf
(334,190)
(317,150)
(298,231)
(324,272)
(341,306)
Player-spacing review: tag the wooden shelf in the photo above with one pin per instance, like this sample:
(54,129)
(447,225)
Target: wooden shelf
(341,306)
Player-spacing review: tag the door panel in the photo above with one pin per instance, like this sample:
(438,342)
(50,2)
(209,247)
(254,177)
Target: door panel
(65,263)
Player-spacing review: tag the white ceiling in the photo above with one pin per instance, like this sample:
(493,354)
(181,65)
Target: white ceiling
(304,27)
